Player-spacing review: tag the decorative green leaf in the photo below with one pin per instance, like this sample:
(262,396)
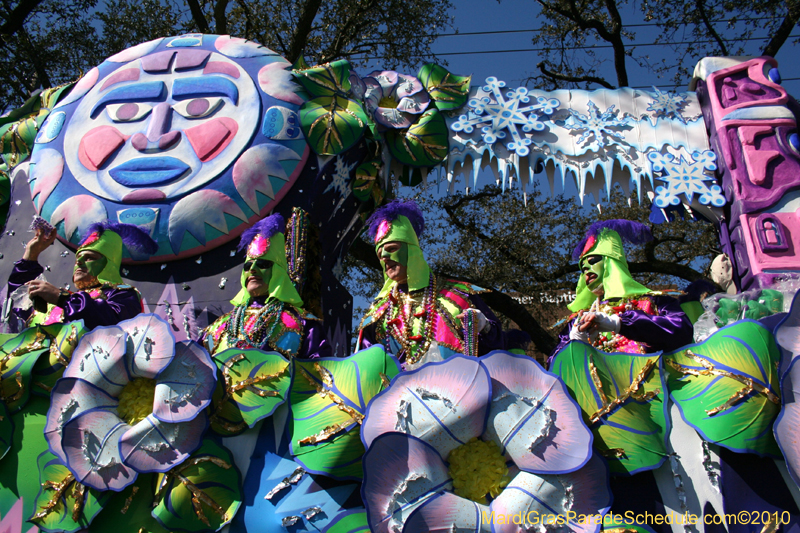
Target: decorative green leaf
(332,124)
(349,522)
(446,90)
(6,430)
(129,511)
(727,387)
(17,358)
(201,494)
(424,144)
(367,183)
(622,399)
(63,504)
(255,383)
(50,367)
(325,80)
(329,397)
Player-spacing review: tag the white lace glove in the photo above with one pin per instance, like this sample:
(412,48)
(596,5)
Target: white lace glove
(483,323)
(584,336)
(604,322)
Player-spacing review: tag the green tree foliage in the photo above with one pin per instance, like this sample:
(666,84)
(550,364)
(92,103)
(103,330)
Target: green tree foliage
(583,39)
(44,43)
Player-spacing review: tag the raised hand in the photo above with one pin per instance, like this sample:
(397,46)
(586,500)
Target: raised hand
(38,244)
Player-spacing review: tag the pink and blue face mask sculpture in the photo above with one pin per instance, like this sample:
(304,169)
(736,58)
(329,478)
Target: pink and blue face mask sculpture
(193,137)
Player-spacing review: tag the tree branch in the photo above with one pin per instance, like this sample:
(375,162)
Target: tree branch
(17,16)
(575,79)
(784,30)
(198,17)
(701,9)
(220,20)
(302,30)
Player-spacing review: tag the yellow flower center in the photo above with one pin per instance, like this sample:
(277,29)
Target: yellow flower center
(387,102)
(136,400)
(477,469)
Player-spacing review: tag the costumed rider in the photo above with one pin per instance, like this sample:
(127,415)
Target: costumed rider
(417,316)
(102,298)
(268,311)
(614,312)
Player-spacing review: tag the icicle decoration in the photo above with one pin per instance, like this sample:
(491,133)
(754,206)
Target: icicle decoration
(168,311)
(708,465)
(674,465)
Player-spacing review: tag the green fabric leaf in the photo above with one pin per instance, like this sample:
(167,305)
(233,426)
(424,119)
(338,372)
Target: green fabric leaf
(736,397)
(50,367)
(424,144)
(446,90)
(335,447)
(627,405)
(367,183)
(349,522)
(56,507)
(6,430)
(129,511)
(17,358)
(325,80)
(201,494)
(247,375)
(332,124)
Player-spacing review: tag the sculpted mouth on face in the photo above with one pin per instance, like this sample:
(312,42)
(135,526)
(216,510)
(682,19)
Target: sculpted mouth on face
(149,171)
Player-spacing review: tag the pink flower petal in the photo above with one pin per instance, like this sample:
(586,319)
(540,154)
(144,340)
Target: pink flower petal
(400,473)
(99,359)
(444,404)
(152,345)
(155,446)
(185,387)
(445,513)
(533,417)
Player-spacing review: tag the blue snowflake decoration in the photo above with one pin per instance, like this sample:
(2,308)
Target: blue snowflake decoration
(598,130)
(687,178)
(501,117)
(667,105)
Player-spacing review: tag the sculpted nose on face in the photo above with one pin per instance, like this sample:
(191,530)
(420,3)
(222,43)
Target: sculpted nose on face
(158,133)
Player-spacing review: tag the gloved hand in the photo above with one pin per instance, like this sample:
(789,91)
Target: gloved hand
(604,322)
(484,326)
(575,334)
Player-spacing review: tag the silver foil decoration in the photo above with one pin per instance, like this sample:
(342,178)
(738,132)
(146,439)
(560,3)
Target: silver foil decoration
(168,310)
(222,282)
(311,512)
(186,327)
(428,395)
(125,271)
(708,465)
(402,417)
(64,253)
(287,521)
(199,260)
(233,253)
(163,266)
(291,480)
(675,465)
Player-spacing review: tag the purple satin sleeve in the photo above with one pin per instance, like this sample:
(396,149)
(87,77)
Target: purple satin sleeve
(666,332)
(315,344)
(119,305)
(23,272)
(494,339)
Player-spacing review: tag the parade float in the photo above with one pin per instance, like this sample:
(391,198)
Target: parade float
(196,138)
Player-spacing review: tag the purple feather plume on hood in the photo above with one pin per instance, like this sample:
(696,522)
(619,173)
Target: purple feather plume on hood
(267,227)
(133,237)
(629,231)
(394,209)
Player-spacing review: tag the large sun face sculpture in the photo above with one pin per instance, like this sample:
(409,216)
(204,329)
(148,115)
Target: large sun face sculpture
(193,137)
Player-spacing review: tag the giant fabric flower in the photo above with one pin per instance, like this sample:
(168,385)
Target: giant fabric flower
(442,437)
(394,98)
(131,400)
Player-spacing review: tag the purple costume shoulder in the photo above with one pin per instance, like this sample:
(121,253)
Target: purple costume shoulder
(115,305)
(668,330)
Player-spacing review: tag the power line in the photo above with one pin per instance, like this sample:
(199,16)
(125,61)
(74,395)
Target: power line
(536,30)
(595,47)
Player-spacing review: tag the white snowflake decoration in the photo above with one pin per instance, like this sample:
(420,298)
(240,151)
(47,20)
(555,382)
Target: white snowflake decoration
(598,129)
(340,182)
(497,115)
(667,105)
(686,178)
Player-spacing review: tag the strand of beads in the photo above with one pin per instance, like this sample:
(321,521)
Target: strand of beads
(262,327)
(470,333)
